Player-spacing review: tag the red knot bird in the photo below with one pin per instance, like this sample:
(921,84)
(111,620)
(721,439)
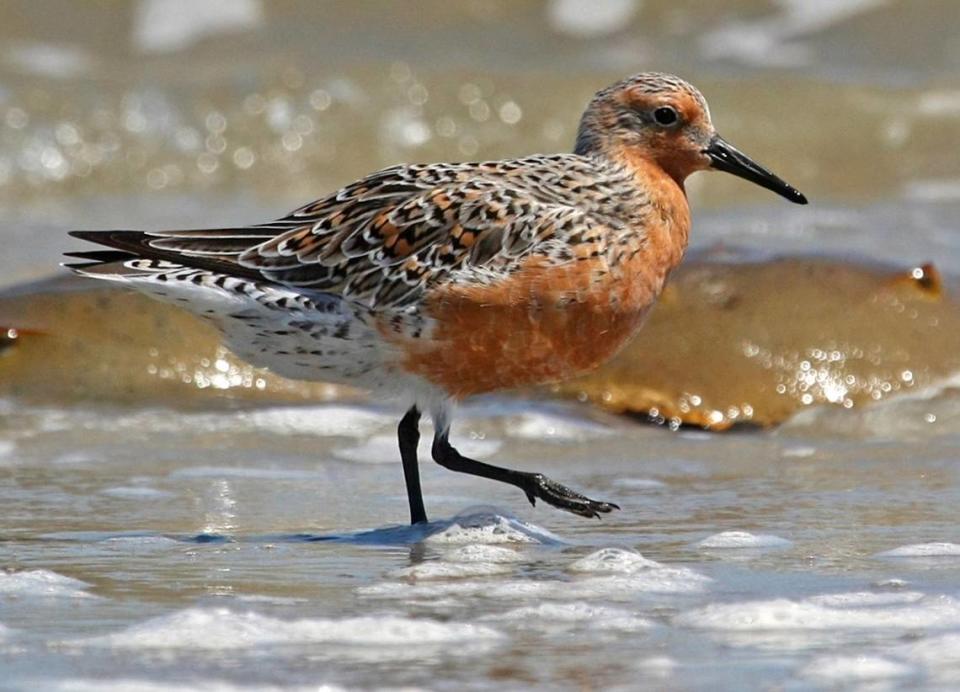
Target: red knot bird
(430,283)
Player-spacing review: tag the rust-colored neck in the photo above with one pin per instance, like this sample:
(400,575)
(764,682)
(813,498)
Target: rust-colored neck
(668,226)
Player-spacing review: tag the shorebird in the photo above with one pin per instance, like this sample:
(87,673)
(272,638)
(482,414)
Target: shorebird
(430,283)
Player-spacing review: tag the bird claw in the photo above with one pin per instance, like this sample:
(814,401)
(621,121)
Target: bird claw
(562,497)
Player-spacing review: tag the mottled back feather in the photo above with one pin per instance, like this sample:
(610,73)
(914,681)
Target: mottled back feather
(384,239)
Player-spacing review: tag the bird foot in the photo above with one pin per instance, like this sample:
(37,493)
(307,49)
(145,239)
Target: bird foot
(562,497)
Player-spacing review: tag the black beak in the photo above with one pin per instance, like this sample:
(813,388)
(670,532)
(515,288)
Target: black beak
(726,157)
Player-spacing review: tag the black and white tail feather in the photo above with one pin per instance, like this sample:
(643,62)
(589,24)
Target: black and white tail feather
(297,333)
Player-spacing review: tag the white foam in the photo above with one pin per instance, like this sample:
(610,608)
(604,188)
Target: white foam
(442,569)
(223,629)
(664,580)
(586,587)
(489,527)
(483,553)
(861,599)
(783,614)
(625,572)
(924,550)
(436,591)
(169,25)
(474,560)
(43,583)
(552,616)
(742,539)
(533,425)
(838,670)
(613,561)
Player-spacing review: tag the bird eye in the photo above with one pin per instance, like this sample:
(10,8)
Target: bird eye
(665,115)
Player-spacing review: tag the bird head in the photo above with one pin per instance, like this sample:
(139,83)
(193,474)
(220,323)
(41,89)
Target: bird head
(659,118)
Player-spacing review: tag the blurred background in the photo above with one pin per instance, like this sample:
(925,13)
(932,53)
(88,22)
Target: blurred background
(157,535)
(151,113)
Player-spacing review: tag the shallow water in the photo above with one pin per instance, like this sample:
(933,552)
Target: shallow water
(265,548)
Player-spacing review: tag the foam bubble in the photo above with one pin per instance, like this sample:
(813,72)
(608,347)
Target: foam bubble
(625,572)
(613,560)
(474,560)
(664,580)
(860,599)
(489,527)
(221,628)
(854,613)
(924,550)
(742,539)
(475,525)
(657,580)
(441,569)
(432,592)
(563,615)
(851,669)
(41,582)
(483,553)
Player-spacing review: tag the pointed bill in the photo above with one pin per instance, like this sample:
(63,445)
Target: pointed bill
(726,157)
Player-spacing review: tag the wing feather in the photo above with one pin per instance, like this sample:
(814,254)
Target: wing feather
(384,239)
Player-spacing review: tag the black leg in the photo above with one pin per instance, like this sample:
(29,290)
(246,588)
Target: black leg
(533,484)
(409,435)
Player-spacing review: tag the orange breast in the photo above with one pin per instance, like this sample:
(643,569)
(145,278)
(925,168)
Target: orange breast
(520,332)
(548,322)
